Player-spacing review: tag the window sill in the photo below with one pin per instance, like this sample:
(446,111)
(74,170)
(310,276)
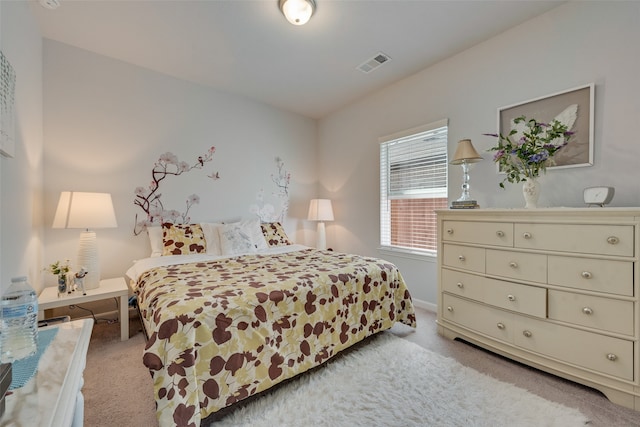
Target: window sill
(408,253)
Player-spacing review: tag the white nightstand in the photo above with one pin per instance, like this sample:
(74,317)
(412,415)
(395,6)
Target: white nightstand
(53,396)
(109,288)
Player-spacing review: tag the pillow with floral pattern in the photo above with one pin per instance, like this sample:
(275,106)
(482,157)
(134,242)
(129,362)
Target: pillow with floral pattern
(274,234)
(182,239)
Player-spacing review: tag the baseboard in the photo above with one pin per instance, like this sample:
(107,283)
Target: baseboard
(425,305)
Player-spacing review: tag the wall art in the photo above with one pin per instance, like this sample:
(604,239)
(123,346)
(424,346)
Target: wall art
(7,107)
(267,212)
(149,199)
(573,108)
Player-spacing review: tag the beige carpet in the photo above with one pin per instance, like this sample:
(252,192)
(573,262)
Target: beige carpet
(118,389)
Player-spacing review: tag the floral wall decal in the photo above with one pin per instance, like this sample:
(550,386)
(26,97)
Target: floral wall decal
(266,211)
(150,199)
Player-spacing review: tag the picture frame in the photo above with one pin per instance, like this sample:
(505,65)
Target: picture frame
(579,151)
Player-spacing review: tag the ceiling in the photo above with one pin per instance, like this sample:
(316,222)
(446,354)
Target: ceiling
(247,47)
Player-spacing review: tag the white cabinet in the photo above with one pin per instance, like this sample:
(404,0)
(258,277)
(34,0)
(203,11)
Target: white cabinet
(553,288)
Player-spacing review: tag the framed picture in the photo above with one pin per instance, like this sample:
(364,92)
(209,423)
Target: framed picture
(574,108)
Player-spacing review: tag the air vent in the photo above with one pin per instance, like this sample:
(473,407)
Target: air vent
(373,63)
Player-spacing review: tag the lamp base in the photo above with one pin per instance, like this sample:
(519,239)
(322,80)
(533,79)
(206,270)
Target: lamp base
(88,258)
(321,237)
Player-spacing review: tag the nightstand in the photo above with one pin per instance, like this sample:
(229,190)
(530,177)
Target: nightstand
(53,396)
(109,288)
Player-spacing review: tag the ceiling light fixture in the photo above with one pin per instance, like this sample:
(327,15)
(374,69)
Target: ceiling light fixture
(298,12)
(50,4)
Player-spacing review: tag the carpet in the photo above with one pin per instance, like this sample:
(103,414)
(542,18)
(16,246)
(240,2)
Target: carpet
(388,381)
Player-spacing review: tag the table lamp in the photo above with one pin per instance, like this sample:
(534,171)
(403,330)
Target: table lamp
(86,211)
(465,154)
(320,210)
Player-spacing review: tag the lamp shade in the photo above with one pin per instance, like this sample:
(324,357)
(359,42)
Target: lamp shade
(320,210)
(465,153)
(84,210)
(297,12)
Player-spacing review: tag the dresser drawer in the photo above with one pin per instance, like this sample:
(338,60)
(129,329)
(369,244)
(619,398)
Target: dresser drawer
(591,311)
(464,284)
(484,233)
(465,257)
(513,296)
(517,265)
(478,317)
(607,355)
(611,277)
(587,239)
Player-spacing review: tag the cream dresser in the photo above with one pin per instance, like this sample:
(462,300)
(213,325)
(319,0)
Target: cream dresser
(556,289)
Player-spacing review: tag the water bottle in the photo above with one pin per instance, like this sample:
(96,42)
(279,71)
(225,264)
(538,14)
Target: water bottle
(19,332)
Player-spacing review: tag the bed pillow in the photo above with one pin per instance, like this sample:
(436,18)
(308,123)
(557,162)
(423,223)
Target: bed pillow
(182,239)
(241,237)
(274,234)
(212,237)
(155,240)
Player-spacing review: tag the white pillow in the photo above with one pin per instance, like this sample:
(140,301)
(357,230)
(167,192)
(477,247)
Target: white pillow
(155,239)
(241,237)
(212,237)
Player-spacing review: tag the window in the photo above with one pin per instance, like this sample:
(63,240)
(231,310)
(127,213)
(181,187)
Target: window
(413,184)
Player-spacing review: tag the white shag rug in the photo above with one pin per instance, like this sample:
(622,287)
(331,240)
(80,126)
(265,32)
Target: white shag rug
(389,381)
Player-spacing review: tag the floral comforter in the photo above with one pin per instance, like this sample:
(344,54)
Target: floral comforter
(221,330)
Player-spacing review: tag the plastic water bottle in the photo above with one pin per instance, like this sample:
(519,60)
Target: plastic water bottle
(19,332)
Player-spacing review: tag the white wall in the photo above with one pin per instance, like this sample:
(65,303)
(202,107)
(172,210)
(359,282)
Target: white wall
(107,122)
(21,230)
(572,45)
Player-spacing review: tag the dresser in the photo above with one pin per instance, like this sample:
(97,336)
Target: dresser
(556,289)
(53,397)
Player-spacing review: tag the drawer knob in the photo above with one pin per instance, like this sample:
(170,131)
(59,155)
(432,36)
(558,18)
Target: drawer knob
(511,297)
(449,230)
(461,258)
(513,264)
(587,310)
(612,357)
(613,240)
(527,333)
(586,275)
(460,285)
(500,233)
(450,309)
(526,235)
(500,325)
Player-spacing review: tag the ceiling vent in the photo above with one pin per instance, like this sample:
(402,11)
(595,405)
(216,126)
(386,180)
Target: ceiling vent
(373,63)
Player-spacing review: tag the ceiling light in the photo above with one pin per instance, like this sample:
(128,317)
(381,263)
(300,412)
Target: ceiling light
(50,4)
(298,12)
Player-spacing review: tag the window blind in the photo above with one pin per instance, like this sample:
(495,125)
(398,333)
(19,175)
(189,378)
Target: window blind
(413,184)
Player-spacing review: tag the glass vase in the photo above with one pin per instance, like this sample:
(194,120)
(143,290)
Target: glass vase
(62,283)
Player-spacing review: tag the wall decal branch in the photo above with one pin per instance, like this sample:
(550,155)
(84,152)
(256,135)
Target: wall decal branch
(266,211)
(149,199)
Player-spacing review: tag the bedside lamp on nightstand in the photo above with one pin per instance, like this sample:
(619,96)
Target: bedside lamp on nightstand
(87,211)
(320,210)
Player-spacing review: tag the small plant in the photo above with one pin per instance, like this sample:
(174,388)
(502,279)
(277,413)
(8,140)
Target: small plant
(59,268)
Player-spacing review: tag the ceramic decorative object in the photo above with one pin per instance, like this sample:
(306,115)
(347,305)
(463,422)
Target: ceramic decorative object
(531,192)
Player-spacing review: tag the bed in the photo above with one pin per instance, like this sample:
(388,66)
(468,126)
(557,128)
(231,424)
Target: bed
(225,325)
